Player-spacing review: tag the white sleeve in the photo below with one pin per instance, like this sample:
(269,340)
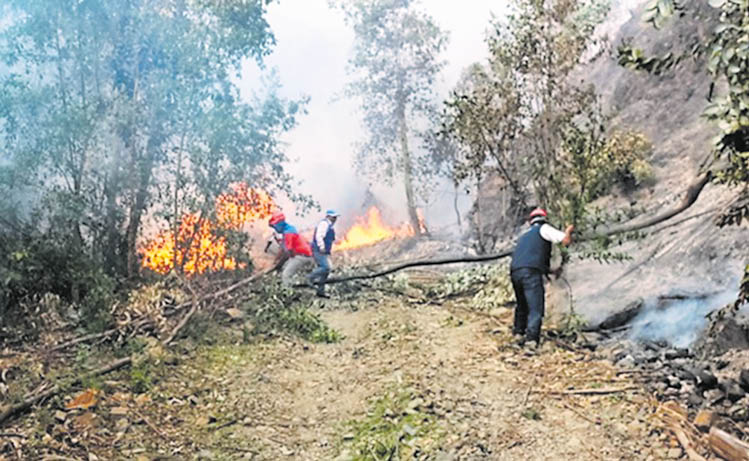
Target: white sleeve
(320,232)
(551,234)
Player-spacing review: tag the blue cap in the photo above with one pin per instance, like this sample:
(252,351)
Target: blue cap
(331,212)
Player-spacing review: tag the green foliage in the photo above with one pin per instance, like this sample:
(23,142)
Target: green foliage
(114,111)
(488,286)
(301,321)
(397,426)
(279,309)
(523,119)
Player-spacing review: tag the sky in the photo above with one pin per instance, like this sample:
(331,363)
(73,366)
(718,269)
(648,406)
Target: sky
(312,48)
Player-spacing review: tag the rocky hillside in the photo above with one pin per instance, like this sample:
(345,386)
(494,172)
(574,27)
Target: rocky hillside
(688,255)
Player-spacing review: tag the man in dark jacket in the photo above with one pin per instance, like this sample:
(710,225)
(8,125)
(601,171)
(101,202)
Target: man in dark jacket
(530,263)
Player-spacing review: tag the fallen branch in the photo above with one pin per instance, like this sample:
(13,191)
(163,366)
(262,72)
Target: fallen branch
(34,398)
(93,336)
(601,391)
(727,446)
(681,436)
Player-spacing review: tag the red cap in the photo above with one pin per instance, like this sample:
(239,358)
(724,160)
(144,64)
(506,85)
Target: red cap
(276,218)
(538,212)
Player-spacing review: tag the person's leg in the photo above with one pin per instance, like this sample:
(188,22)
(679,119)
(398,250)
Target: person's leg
(521,307)
(320,274)
(324,271)
(291,267)
(533,288)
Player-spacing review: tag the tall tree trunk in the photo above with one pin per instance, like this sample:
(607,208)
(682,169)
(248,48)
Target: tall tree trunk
(145,172)
(408,174)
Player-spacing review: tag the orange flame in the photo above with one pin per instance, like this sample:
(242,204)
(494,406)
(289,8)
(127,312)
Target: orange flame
(198,248)
(370,231)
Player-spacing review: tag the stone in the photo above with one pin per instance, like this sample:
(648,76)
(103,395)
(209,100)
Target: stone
(705,379)
(744,379)
(704,420)
(626,362)
(676,353)
(713,396)
(674,382)
(733,391)
(674,453)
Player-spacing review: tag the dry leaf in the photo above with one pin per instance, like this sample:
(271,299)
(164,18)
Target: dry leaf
(84,400)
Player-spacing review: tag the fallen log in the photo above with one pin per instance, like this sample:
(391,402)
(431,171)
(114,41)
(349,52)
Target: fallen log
(727,446)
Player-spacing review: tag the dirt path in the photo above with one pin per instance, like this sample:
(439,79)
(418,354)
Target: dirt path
(485,399)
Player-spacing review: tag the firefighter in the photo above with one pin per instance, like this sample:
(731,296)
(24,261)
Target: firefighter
(294,248)
(322,243)
(530,263)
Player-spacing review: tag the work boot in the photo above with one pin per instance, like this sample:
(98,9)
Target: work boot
(530,348)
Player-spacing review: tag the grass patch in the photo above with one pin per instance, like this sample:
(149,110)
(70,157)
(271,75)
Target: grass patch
(398,426)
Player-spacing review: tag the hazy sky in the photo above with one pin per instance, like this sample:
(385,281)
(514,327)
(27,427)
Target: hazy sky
(313,46)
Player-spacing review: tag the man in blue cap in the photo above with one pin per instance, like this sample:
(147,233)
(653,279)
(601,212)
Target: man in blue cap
(322,243)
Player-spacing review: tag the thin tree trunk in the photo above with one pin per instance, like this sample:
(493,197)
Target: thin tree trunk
(408,175)
(455,206)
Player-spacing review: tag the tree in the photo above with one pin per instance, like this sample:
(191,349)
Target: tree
(394,66)
(115,111)
(523,118)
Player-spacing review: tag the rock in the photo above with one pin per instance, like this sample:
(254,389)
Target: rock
(676,353)
(685,375)
(705,379)
(694,400)
(674,382)
(674,453)
(60,416)
(704,420)
(739,413)
(733,391)
(626,362)
(713,396)
(744,380)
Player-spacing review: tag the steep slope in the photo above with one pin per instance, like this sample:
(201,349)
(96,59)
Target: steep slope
(686,257)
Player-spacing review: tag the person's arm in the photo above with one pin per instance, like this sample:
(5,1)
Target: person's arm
(554,235)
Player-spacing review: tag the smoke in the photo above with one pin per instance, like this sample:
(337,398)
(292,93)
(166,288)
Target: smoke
(677,321)
(313,46)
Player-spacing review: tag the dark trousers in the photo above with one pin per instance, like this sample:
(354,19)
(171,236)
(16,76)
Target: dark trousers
(529,292)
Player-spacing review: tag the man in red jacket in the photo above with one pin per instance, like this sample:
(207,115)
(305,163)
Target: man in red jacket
(294,248)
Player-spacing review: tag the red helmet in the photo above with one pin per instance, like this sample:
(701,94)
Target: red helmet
(276,218)
(537,213)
